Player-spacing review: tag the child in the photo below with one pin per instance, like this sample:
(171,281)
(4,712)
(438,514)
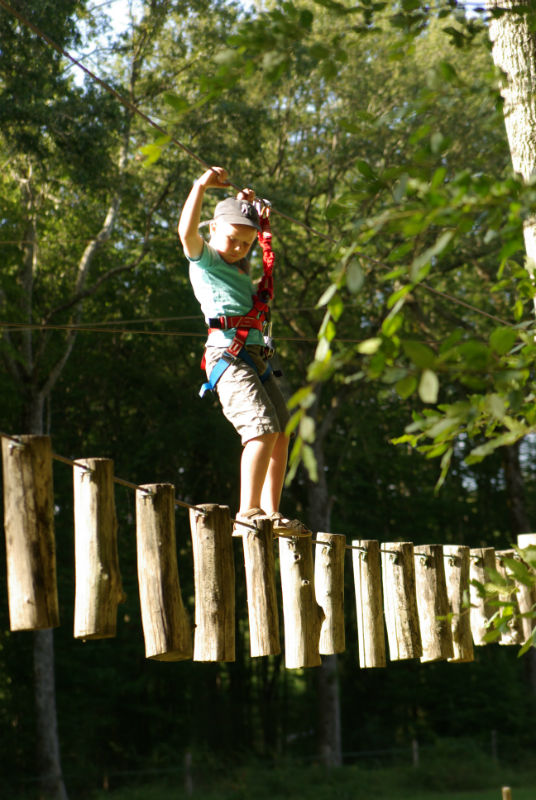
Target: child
(221,283)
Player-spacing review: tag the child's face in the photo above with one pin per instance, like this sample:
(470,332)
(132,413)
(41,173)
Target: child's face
(231,241)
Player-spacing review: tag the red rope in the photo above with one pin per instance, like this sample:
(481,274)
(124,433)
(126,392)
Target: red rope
(265,288)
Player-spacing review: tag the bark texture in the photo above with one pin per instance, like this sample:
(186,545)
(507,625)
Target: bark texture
(514,54)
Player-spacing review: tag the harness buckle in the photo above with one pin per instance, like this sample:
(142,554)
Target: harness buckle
(217,322)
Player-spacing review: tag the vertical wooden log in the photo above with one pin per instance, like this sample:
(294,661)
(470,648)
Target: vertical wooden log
(98,588)
(329,588)
(457,577)
(400,601)
(29,529)
(514,634)
(482,558)
(259,562)
(369,604)
(214,577)
(526,594)
(302,615)
(433,603)
(166,628)
(526,540)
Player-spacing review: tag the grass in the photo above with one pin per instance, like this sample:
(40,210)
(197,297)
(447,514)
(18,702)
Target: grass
(472,777)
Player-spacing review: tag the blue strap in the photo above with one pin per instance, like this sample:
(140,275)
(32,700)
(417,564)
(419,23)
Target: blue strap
(221,365)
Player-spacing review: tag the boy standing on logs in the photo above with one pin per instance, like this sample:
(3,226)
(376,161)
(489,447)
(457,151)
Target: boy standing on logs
(249,394)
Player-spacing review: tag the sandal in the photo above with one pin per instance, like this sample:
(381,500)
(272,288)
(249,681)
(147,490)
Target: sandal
(289,526)
(247,516)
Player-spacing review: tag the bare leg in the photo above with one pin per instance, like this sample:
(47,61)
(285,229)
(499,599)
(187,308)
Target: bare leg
(275,475)
(256,457)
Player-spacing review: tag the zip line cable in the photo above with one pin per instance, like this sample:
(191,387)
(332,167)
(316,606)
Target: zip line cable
(135,110)
(80,328)
(464,303)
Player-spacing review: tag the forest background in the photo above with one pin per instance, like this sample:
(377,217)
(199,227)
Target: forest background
(377,132)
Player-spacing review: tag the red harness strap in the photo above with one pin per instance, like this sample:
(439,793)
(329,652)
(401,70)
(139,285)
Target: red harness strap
(265,288)
(260,310)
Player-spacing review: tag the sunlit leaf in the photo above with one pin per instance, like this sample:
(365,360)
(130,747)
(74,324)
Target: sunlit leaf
(428,386)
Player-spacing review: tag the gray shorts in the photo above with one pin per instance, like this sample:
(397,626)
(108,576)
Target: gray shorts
(254,408)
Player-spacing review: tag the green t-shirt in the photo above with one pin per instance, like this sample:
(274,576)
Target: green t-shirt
(222,290)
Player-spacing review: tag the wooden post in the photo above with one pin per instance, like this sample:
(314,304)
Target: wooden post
(98,580)
(506,793)
(214,577)
(433,603)
(369,604)
(526,540)
(457,577)
(29,529)
(514,635)
(400,600)
(329,587)
(301,613)
(526,594)
(482,558)
(259,562)
(166,628)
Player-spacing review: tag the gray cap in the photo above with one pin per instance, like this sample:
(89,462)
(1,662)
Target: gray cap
(237,212)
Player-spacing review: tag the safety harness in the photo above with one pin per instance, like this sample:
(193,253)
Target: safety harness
(257,317)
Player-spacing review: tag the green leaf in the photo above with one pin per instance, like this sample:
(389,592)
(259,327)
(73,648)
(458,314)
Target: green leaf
(406,386)
(509,248)
(323,350)
(304,397)
(392,323)
(327,295)
(309,462)
(427,256)
(365,169)
(400,294)
(428,386)
(519,571)
(420,354)
(495,406)
(502,340)
(176,102)
(307,429)
(294,420)
(445,465)
(369,346)
(152,153)
(478,453)
(400,189)
(355,277)
(492,636)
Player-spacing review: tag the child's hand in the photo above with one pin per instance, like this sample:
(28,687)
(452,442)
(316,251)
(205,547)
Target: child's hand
(214,178)
(246,194)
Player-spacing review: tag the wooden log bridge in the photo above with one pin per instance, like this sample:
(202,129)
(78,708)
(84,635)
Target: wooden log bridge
(98,581)
(29,529)
(412,596)
(166,628)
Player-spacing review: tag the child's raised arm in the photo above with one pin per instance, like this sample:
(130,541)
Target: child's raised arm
(192,241)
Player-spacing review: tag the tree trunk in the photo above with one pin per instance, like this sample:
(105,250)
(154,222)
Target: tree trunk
(329,704)
(48,746)
(329,713)
(515,490)
(52,786)
(514,53)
